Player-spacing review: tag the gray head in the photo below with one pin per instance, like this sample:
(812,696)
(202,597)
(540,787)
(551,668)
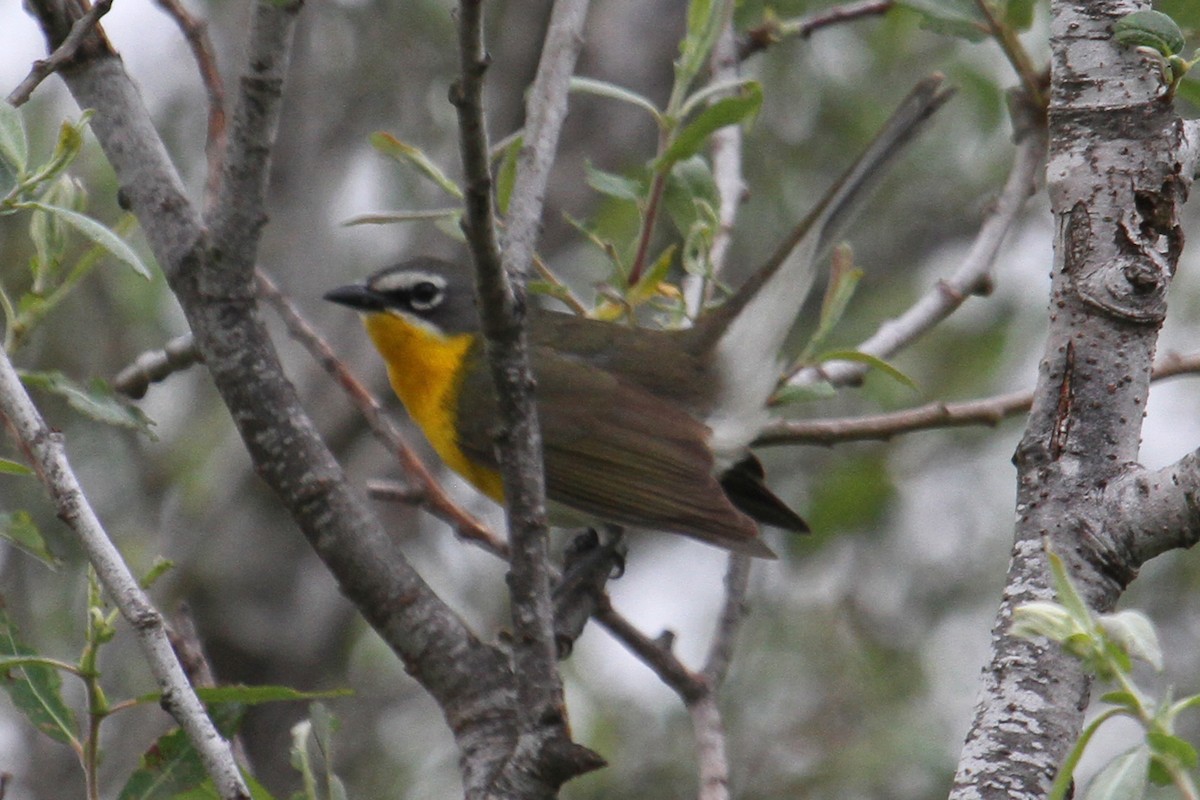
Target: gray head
(429,291)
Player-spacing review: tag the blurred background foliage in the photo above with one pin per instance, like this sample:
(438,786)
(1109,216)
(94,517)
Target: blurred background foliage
(857,669)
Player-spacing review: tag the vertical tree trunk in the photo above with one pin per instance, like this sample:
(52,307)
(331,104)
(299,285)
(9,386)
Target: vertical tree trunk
(1116,184)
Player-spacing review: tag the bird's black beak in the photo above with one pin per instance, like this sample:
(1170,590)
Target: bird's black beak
(357,296)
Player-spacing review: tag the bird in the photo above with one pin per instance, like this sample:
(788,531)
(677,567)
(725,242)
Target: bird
(642,427)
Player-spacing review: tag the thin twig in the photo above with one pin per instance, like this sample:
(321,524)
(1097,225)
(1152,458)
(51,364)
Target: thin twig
(988,411)
(155,366)
(432,495)
(195,32)
(973,275)
(772,31)
(45,451)
(45,67)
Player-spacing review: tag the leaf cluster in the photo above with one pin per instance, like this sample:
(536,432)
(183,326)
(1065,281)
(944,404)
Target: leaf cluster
(1107,645)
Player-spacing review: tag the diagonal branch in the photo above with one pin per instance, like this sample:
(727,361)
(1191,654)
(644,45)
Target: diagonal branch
(64,53)
(988,411)
(973,275)
(45,451)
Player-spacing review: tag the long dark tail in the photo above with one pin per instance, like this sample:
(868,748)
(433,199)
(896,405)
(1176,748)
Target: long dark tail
(746,333)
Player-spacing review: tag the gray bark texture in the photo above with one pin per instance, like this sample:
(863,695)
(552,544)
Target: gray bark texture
(1120,167)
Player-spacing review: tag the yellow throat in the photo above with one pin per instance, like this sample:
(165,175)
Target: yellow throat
(424,367)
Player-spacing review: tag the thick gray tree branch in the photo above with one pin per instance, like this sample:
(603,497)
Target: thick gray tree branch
(45,450)
(470,681)
(1116,183)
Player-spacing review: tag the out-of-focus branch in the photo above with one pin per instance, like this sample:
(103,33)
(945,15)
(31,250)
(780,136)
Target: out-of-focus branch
(195,32)
(155,366)
(64,53)
(429,491)
(973,275)
(45,451)
(772,31)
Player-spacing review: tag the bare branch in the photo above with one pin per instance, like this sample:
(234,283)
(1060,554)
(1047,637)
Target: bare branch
(988,411)
(773,31)
(155,366)
(428,492)
(973,275)
(45,450)
(63,54)
(195,32)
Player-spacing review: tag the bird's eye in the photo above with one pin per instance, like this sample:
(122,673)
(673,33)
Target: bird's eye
(424,295)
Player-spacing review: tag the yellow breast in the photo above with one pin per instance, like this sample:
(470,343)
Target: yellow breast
(424,369)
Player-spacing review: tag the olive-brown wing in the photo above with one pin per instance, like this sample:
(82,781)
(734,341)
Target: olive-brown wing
(615,452)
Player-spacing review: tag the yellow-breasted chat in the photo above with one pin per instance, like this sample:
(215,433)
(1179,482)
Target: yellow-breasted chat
(641,427)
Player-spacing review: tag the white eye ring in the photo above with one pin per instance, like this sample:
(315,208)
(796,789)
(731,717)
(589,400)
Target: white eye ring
(425,295)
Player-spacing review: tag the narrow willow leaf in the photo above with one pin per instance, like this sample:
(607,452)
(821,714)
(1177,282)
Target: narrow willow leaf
(1125,778)
(14,147)
(405,153)
(506,176)
(958,18)
(35,689)
(874,362)
(726,111)
(1178,750)
(97,233)
(611,184)
(614,92)
(1066,592)
(1018,14)
(96,401)
(19,528)
(1134,631)
(14,468)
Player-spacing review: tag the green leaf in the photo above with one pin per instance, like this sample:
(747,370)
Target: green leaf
(614,92)
(251,695)
(404,153)
(169,768)
(1122,698)
(958,18)
(206,790)
(1125,777)
(160,567)
(256,695)
(14,147)
(690,189)
(19,528)
(1018,14)
(792,393)
(97,233)
(874,362)
(14,468)
(1065,590)
(1135,633)
(506,176)
(1064,781)
(35,689)
(611,184)
(96,401)
(1178,751)
(1043,618)
(726,111)
(1149,28)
